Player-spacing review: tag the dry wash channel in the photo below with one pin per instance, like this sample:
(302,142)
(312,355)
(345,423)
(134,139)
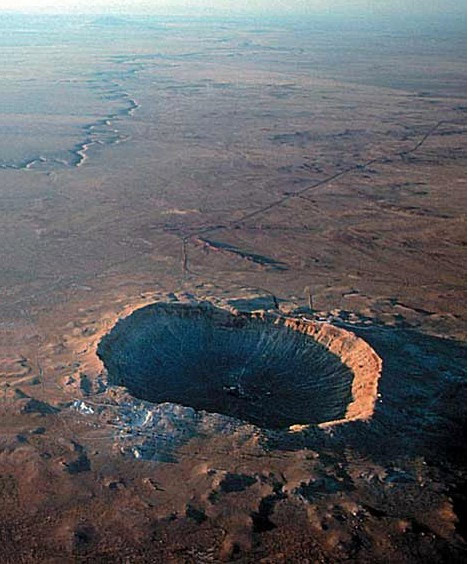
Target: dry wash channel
(269,370)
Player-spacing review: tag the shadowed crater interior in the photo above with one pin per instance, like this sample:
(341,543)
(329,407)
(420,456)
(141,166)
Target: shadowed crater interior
(253,368)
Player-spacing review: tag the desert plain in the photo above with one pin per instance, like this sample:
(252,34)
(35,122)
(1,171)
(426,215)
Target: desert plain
(308,171)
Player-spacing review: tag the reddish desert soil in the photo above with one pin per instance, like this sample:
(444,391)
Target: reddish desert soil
(253,175)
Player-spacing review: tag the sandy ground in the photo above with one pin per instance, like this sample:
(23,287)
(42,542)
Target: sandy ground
(243,167)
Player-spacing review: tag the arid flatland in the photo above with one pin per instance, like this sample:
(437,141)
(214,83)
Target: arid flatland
(297,169)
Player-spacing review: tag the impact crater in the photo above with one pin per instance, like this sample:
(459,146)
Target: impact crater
(269,370)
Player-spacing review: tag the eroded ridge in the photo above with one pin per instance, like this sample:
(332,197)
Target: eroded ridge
(269,370)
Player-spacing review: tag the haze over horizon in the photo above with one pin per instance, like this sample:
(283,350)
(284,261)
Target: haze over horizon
(363,8)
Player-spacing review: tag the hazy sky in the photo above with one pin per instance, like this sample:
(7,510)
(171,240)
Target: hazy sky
(377,7)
